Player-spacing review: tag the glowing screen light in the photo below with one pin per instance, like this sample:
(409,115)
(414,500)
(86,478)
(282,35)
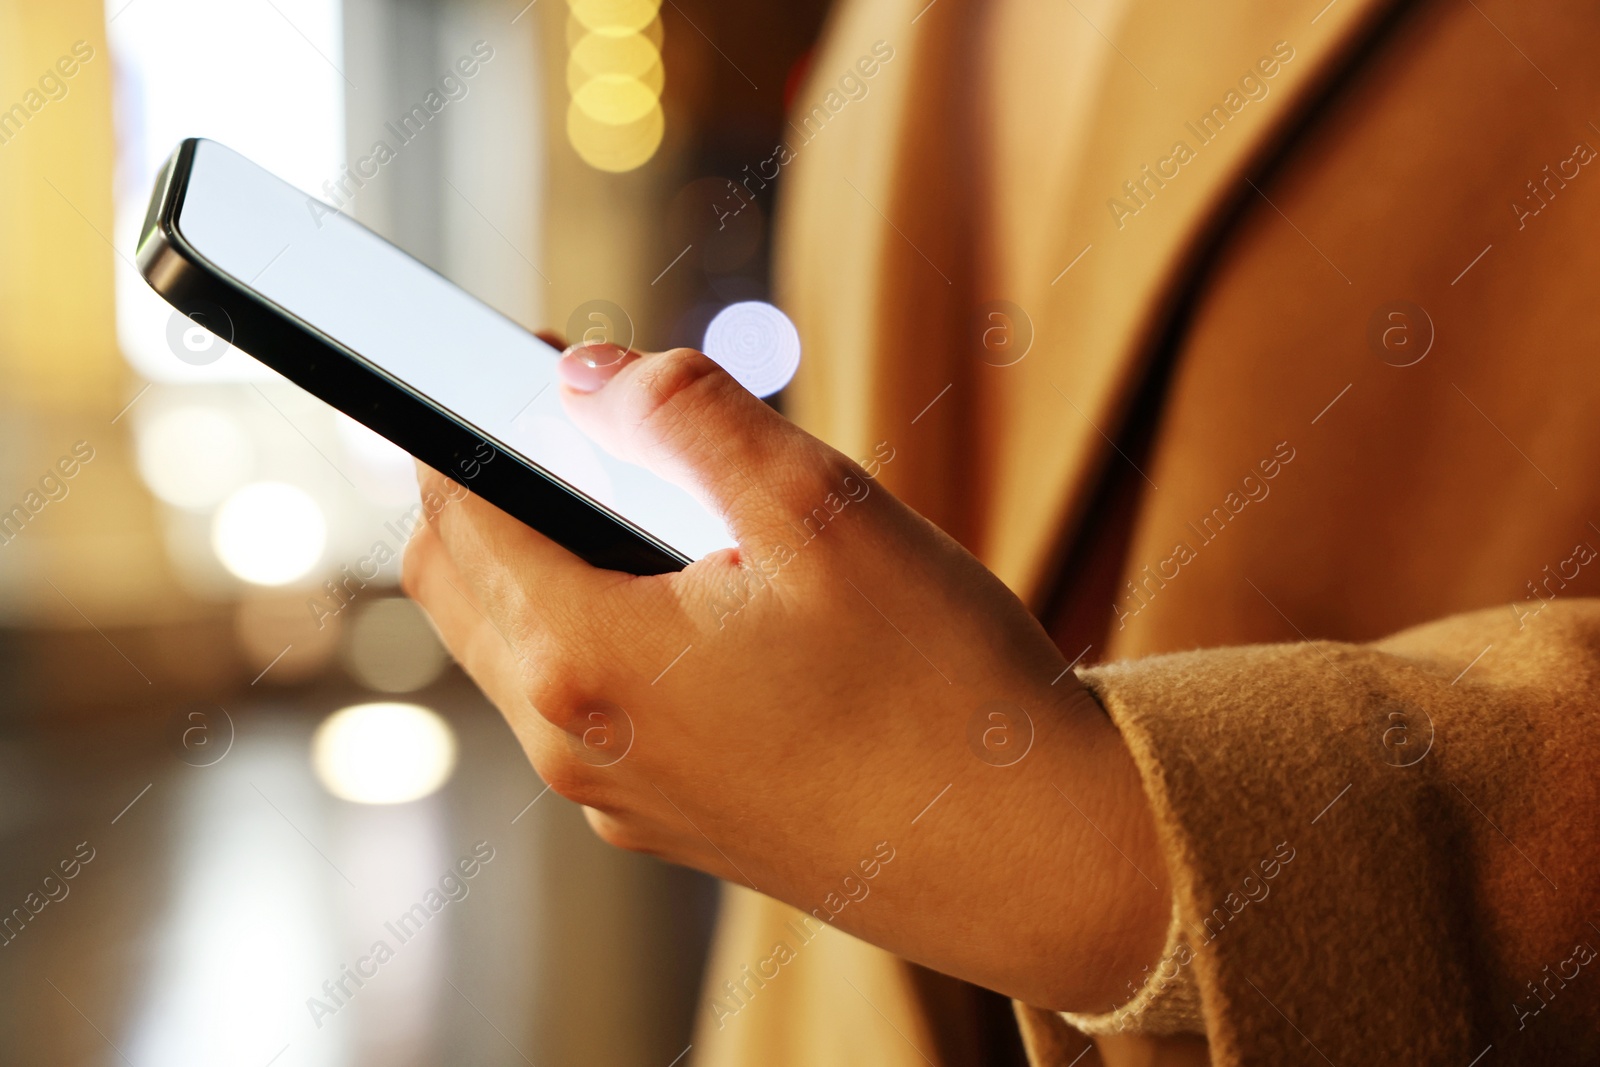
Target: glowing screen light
(383,753)
(756,343)
(269,533)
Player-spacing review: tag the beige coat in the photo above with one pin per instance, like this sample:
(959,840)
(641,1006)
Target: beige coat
(1327,375)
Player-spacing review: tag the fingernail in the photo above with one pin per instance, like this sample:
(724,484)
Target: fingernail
(586,368)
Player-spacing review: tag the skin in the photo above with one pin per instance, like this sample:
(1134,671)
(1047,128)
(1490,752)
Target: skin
(825,716)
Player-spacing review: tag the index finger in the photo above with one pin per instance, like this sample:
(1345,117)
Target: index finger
(525,581)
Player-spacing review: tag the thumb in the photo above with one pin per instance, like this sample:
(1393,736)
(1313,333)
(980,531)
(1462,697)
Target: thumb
(681,416)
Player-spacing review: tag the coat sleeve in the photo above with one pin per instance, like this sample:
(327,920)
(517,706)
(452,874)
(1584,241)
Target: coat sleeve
(1382,853)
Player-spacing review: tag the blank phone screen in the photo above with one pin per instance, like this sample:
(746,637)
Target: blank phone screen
(420,330)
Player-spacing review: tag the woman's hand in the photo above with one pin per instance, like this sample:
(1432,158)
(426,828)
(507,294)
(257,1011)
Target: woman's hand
(847,713)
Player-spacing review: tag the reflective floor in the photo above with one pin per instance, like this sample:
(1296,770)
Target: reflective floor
(168,908)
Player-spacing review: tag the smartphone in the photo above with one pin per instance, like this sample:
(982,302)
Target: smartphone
(355,321)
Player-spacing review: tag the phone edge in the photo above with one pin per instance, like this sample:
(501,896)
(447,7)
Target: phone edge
(184,278)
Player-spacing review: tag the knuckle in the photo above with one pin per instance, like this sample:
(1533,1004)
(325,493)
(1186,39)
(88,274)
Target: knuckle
(827,471)
(816,485)
(676,370)
(558,701)
(674,381)
(615,831)
(573,779)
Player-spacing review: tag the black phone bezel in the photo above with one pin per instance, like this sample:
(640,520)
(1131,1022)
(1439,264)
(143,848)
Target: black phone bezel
(338,376)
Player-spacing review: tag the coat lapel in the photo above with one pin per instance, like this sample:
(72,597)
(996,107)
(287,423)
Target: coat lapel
(1005,458)
(1181,122)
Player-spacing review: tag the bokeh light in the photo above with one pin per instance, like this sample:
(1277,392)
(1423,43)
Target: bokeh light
(615,99)
(632,55)
(391,647)
(615,75)
(615,149)
(383,753)
(269,533)
(615,17)
(756,343)
(192,456)
(280,641)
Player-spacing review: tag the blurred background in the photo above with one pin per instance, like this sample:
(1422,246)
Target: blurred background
(231,756)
